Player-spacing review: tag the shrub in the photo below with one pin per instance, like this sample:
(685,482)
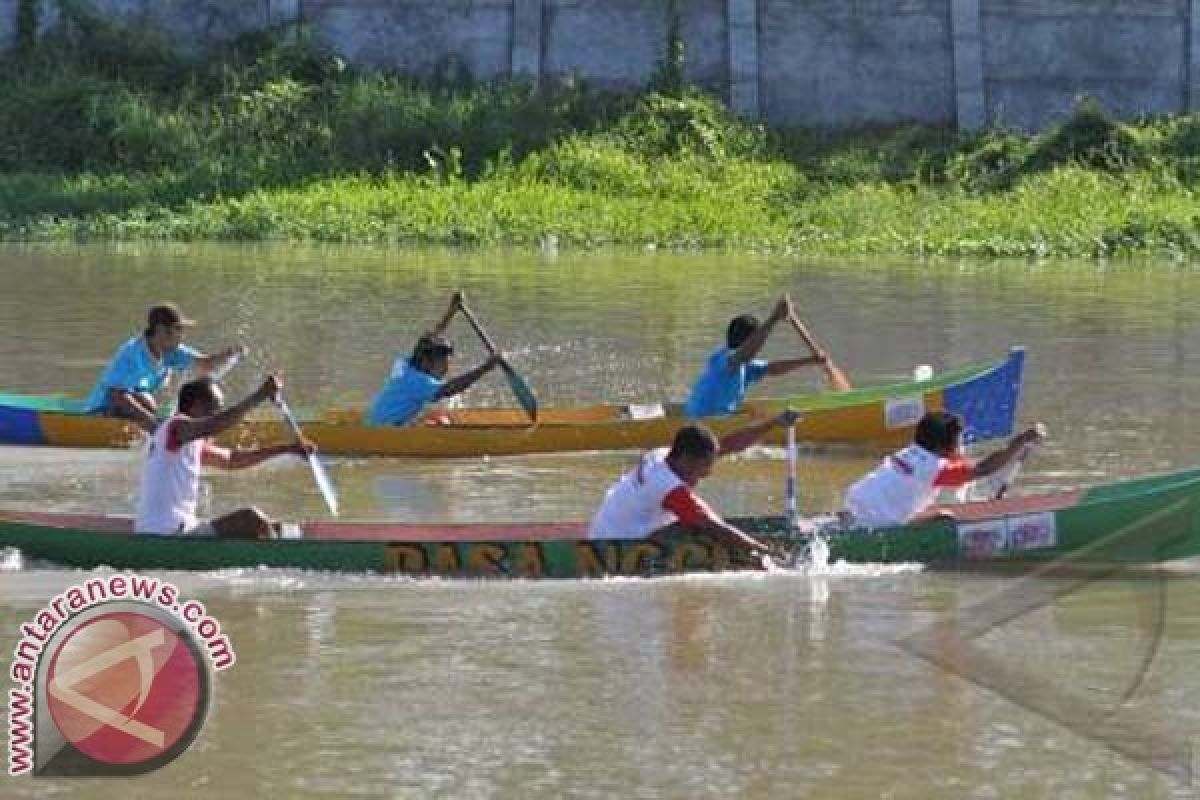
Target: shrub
(993,163)
(694,124)
(1089,138)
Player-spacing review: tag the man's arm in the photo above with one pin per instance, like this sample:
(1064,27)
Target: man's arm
(1001,458)
(210,363)
(728,535)
(188,429)
(130,404)
(785,366)
(241,459)
(693,514)
(461,383)
(749,348)
(739,440)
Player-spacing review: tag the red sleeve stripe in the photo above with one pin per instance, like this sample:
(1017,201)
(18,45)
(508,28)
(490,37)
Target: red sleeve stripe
(958,472)
(173,443)
(687,508)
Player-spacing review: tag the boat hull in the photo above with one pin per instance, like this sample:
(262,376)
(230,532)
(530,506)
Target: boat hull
(1144,521)
(987,396)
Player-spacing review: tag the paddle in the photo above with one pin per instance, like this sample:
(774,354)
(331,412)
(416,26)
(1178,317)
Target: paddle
(1009,474)
(792,519)
(318,471)
(837,379)
(520,388)
(218,374)
(814,545)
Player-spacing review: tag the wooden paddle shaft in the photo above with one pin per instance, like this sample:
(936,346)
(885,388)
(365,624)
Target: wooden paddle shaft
(836,377)
(483,337)
(519,388)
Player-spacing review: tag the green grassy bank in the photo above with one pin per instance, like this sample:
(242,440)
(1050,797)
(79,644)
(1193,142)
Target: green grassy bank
(105,135)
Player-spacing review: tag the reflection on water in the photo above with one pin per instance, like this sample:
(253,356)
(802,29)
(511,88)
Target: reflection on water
(778,685)
(712,686)
(1112,364)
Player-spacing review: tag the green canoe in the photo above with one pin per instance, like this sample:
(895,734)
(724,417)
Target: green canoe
(1141,521)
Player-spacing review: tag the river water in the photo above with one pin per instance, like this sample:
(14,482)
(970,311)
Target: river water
(783,685)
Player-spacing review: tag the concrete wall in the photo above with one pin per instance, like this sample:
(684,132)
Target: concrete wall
(417,36)
(1020,63)
(1038,56)
(8,24)
(194,24)
(833,62)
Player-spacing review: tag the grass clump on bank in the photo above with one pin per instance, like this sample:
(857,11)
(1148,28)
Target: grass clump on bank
(108,135)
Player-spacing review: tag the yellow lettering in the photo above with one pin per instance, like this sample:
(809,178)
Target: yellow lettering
(485,559)
(445,559)
(588,562)
(528,561)
(689,555)
(721,559)
(406,558)
(638,558)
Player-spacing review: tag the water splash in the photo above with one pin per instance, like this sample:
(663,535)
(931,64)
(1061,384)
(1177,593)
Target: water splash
(11,560)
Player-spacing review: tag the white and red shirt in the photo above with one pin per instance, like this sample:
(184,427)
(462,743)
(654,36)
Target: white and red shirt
(647,498)
(904,485)
(170,484)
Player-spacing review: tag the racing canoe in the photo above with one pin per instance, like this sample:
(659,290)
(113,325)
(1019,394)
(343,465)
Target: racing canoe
(986,395)
(1142,521)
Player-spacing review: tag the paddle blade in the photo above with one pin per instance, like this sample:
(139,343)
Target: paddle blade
(837,378)
(323,483)
(790,489)
(521,391)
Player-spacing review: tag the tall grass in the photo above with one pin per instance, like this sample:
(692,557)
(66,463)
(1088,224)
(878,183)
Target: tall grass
(107,134)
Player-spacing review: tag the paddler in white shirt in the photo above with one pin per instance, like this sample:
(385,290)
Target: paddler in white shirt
(657,499)
(182,445)
(904,487)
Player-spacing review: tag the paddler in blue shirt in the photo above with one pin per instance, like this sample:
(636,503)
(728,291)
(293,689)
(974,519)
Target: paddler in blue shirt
(733,368)
(144,363)
(420,379)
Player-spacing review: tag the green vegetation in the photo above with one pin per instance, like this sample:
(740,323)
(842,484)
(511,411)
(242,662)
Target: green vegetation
(107,135)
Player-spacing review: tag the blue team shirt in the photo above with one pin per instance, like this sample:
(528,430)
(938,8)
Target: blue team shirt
(407,391)
(134,369)
(720,390)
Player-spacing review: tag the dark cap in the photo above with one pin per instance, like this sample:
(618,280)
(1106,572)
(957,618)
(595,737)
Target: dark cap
(167,314)
(431,346)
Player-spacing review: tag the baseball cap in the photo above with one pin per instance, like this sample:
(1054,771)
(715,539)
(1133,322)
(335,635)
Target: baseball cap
(167,314)
(432,346)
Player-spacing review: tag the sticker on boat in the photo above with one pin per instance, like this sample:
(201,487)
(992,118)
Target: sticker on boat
(1015,534)
(647,411)
(982,539)
(1032,531)
(903,412)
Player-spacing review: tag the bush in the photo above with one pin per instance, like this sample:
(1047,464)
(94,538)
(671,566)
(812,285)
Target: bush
(1089,138)
(691,124)
(594,164)
(992,164)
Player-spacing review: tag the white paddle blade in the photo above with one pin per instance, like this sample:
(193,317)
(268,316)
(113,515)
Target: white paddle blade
(218,374)
(324,484)
(791,476)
